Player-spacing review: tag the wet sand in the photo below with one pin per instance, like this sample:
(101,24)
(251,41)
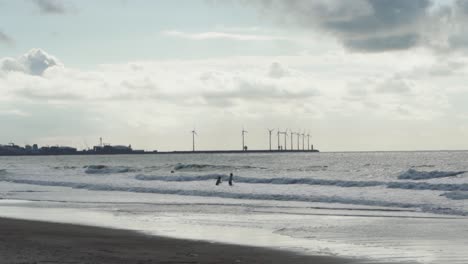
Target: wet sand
(29,242)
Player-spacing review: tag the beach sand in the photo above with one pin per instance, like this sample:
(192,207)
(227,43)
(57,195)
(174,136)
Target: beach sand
(29,242)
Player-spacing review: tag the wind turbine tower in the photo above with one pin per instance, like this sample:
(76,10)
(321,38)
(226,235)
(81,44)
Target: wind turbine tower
(285,133)
(308,142)
(291,143)
(278,135)
(269,132)
(193,139)
(243,135)
(298,135)
(303,137)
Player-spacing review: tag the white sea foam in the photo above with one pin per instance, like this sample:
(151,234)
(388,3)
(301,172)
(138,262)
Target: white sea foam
(413,174)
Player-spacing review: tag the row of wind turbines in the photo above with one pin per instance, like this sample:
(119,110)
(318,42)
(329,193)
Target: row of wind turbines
(289,132)
(279,133)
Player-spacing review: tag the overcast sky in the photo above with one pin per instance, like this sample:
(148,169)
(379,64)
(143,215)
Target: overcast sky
(356,75)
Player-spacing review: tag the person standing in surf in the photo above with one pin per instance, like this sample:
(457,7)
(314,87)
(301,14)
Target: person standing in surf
(230,179)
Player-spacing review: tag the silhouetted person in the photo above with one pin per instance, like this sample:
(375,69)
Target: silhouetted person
(230,179)
(218,181)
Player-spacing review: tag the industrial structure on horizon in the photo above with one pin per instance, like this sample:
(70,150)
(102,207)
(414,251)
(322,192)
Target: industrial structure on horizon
(12,149)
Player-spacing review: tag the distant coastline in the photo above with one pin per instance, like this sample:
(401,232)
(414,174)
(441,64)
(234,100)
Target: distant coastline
(86,152)
(105,149)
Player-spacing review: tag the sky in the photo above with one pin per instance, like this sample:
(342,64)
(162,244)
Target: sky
(362,75)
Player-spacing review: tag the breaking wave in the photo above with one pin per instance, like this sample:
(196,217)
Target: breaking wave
(245,196)
(202,167)
(413,174)
(241,179)
(310,181)
(456,195)
(104,169)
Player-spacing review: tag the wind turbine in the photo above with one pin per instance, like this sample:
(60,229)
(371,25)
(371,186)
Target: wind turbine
(193,139)
(269,132)
(308,143)
(285,133)
(243,133)
(278,135)
(298,135)
(292,134)
(303,137)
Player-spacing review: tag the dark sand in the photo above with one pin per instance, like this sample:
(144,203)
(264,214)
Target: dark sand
(30,242)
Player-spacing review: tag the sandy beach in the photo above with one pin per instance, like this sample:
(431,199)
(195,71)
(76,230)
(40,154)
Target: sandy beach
(29,242)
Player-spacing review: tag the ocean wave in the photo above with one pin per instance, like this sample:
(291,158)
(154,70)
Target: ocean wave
(245,196)
(456,195)
(202,167)
(104,169)
(413,174)
(428,186)
(64,167)
(307,181)
(3,172)
(174,178)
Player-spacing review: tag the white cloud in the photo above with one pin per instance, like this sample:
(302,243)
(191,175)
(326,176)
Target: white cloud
(151,100)
(34,62)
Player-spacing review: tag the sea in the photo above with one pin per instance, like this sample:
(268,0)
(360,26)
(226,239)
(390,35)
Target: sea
(378,207)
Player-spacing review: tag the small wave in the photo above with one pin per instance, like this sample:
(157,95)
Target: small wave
(428,186)
(251,180)
(456,195)
(246,196)
(178,178)
(103,169)
(310,168)
(423,166)
(65,167)
(201,167)
(413,174)
(3,172)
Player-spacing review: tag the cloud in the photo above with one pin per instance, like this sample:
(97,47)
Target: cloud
(220,35)
(277,71)
(140,99)
(5,39)
(363,25)
(34,62)
(54,7)
(393,86)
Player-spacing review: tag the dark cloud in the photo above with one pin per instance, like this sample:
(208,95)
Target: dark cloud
(364,25)
(376,44)
(5,39)
(52,6)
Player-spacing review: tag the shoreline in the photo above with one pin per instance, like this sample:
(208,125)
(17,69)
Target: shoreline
(28,242)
